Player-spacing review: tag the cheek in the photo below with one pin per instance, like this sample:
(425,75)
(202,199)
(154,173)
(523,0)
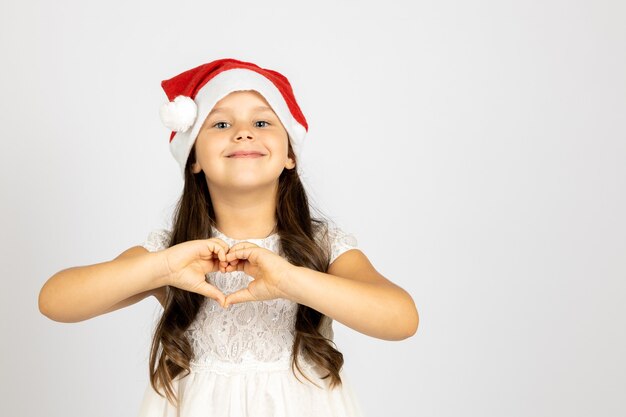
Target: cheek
(281,148)
(279,155)
(207,149)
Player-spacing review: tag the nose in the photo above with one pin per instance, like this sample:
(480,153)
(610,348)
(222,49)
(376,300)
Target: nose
(243,133)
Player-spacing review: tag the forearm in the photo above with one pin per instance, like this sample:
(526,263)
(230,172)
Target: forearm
(384,311)
(80,293)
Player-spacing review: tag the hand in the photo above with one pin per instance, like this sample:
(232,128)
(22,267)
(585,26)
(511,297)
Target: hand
(189,262)
(267,268)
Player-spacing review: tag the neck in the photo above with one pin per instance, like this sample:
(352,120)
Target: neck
(245,214)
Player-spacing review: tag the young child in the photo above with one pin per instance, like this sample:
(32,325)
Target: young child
(249,281)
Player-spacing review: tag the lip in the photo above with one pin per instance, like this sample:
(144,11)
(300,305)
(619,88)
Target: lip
(256,155)
(245,154)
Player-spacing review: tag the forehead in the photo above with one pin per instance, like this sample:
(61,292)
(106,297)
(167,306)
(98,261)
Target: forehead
(242,96)
(248,99)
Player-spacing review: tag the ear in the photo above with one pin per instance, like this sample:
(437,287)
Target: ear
(290,164)
(195,167)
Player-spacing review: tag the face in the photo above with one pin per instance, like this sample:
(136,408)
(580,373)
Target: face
(242,121)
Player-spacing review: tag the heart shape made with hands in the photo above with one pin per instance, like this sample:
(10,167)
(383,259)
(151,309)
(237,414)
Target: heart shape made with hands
(267,269)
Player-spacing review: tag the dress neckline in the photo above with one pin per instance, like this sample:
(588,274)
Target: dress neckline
(218,233)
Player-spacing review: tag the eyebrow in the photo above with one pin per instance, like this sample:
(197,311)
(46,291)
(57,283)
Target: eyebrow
(223,109)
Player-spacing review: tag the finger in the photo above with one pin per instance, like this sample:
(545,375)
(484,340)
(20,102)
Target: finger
(242,253)
(223,265)
(221,242)
(240,296)
(210,291)
(239,246)
(227,267)
(219,247)
(242,245)
(237,266)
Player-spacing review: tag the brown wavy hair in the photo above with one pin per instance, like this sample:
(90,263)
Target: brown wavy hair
(193,217)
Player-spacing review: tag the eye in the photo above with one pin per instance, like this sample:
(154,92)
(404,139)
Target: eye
(263,121)
(219,123)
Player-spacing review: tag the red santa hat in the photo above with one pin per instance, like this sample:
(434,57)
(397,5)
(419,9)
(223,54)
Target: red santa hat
(195,92)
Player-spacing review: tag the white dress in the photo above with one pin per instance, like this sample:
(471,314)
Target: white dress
(241,365)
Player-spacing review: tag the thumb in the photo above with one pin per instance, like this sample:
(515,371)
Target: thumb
(240,296)
(210,291)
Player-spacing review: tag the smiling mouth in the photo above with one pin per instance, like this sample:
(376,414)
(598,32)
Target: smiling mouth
(247,155)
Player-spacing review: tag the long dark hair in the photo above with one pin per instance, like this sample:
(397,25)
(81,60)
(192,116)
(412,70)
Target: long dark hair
(192,219)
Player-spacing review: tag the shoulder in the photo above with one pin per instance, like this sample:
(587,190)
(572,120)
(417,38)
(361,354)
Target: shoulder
(341,237)
(336,239)
(347,258)
(354,264)
(157,239)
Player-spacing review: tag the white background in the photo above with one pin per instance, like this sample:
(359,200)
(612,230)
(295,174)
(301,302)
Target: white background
(476,150)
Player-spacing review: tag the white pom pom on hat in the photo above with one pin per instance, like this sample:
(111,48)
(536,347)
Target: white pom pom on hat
(180,114)
(195,92)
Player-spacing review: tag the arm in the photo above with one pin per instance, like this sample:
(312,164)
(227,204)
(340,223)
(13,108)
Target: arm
(355,294)
(83,292)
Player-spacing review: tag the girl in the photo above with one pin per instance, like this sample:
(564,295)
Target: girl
(248,280)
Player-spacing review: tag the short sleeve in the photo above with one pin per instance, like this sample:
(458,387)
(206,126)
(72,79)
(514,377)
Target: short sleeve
(157,240)
(340,242)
